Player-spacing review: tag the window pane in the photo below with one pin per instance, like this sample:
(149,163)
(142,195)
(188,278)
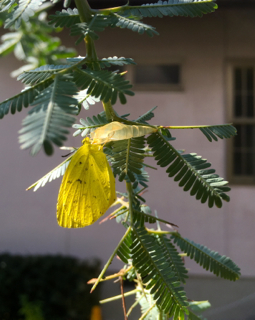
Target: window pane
(237,163)
(238,78)
(249,163)
(249,77)
(238,105)
(238,137)
(243,145)
(157,74)
(250,112)
(249,136)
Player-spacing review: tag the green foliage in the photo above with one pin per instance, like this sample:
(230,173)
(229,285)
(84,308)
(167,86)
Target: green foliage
(53,287)
(50,111)
(30,310)
(40,74)
(221,266)
(103,84)
(191,170)
(172,257)
(22,100)
(58,88)
(223,131)
(148,258)
(65,18)
(23,11)
(191,8)
(34,45)
(127,158)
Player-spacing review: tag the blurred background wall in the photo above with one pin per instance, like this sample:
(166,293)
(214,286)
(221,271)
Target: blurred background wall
(207,52)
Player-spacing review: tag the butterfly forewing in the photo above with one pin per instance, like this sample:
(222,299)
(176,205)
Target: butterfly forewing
(87,189)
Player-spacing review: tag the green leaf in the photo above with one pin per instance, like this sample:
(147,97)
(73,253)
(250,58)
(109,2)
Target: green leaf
(86,99)
(44,124)
(115,61)
(103,84)
(221,131)
(190,170)
(23,11)
(157,274)
(65,18)
(221,266)
(40,74)
(134,25)
(52,175)
(97,24)
(199,306)
(147,116)
(147,302)
(23,99)
(6,4)
(193,316)
(172,256)
(10,40)
(127,158)
(171,8)
(86,126)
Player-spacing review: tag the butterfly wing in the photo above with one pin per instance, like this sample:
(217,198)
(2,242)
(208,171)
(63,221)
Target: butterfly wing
(87,189)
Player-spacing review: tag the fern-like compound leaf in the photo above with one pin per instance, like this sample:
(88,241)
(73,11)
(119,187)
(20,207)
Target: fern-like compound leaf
(193,316)
(65,18)
(43,128)
(221,266)
(124,249)
(147,116)
(23,11)
(172,256)
(221,131)
(86,126)
(103,84)
(10,40)
(149,309)
(52,175)
(23,99)
(42,73)
(6,4)
(115,61)
(158,276)
(86,99)
(134,25)
(191,170)
(127,158)
(46,121)
(186,8)
(97,24)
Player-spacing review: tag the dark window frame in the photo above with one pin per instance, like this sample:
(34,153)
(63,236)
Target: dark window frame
(242,146)
(165,87)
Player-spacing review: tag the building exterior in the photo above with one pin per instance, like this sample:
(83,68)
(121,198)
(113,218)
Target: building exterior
(211,80)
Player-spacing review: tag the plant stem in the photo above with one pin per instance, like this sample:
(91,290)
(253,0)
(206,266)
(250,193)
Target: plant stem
(130,193)
(109,261)
(123,298)
(86,15)
(109,111)
(129,293)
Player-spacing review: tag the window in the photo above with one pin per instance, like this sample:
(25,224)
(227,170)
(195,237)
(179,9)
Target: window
(156,76)
(241,151)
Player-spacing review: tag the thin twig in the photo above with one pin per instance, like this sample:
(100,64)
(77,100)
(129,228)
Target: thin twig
(123,298)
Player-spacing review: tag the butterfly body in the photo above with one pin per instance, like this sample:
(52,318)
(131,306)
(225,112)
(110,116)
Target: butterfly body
(87,189)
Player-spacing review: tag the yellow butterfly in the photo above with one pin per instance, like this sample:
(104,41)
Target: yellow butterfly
(87,189)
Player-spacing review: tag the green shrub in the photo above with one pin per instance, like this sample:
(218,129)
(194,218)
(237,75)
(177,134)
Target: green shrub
(57,284)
